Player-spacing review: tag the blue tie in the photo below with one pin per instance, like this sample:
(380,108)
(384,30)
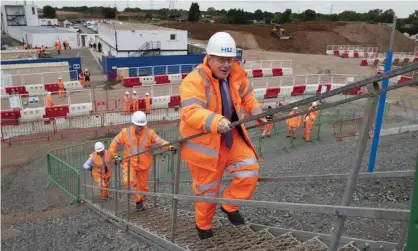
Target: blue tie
(226,109)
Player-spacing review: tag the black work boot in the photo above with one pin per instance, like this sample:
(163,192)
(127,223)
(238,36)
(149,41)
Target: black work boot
(140,206)
(234,217)
(204,234)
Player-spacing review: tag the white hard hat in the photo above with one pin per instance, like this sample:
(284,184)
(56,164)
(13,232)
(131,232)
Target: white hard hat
(295,108)
(314,104)
(147,94)
(59,78)
(85,70)
(126,93)
(139,118)
(98,147)
(134,92)
(49,93)
(221,44)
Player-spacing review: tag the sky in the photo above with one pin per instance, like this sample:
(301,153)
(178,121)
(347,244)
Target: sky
(402,8)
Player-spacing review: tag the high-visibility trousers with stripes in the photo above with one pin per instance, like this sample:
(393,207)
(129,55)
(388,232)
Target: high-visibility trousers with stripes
(240,163)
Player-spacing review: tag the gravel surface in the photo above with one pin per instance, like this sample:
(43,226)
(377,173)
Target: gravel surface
(396,153)
(84,231)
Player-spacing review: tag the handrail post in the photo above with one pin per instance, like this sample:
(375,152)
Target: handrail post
(116,185)
(154,174)
(370,111)
(176,191)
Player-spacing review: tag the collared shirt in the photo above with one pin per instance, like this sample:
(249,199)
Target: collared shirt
(228,94)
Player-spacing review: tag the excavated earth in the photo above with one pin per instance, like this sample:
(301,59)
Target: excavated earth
(310,37)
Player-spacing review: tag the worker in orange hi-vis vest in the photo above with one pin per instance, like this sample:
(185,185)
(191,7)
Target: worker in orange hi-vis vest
(293,123)
(135,101)
(137,139)
(127,102)
(147,103)
(81,78)
(67,44)
(314,114)
(215,94)
(49,102)
(61,88)
(308,126)
(267,129)
(100,165)
(58,47)
(87,78)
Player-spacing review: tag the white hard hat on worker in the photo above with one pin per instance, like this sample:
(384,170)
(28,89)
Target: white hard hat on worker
(139,119)
(99,147)
(221,51)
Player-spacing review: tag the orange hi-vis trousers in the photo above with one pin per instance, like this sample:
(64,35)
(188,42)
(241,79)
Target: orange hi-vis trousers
(291,132)
(138,181)
(103,180)
(267,130)
(240,162)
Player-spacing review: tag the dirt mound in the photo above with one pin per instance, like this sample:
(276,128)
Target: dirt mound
(375,35)
(308,37)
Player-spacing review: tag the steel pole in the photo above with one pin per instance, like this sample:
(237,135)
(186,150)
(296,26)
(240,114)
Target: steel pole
(412,241)
(356,164)
(176,191)
(382,101)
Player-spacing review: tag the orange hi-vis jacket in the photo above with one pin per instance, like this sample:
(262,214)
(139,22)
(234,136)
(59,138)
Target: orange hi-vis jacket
(293,122)
(201,111)
(136,143)
(313,114)
(98,166)
(127,99)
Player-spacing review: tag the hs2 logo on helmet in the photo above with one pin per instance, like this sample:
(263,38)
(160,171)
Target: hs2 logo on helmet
(226,49)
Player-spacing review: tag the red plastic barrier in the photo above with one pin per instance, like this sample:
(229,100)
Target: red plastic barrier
(183,75)
(277,71)
(406,60)
(318,91)
(355,54)
(16,89)
(57,111)
(162,79)
(415,60)
(51,87)
(298,90)
(354,91)
(10,117)
(272,92)
(336,53)
(404,79)
(363,62)
(258,73)
(344,55)
(131,82)
(174,101)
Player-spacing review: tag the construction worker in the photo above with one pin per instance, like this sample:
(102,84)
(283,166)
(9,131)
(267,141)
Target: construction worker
(136,139)
(25,46)
(218,79)
(67,44)
(49,102)
(135,101)
(293,123)
(314,114)
(100,165)
(127,102)
(58,47)
(61,88)
(308,126)
(81,78)
(147,103)
(267,129)
(87,78)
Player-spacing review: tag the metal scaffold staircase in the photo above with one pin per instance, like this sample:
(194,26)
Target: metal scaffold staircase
(173,229)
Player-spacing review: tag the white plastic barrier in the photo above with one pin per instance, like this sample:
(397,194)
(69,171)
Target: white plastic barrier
(311,89)
(147,80)
(267,72)
(249,73)
(80,109)
(28,114)
(336,86)
(175,78)
(73,85)
(285,91)
(4,93)
(35,89)
(160,102)
(287,71)
(260,92)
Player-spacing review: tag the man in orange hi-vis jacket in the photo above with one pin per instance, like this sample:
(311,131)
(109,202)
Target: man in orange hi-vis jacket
(49,102)
(136,139)
(215,94)
(308,126)
(135,101)
(267,129)
(147,103)
(100,165)
(127,102)
(81,78)
(293,123)
(61,88)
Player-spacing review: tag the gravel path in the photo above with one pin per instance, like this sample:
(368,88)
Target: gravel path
(397,152)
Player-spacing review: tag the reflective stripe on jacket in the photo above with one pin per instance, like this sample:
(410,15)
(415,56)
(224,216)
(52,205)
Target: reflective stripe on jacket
(201,109)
